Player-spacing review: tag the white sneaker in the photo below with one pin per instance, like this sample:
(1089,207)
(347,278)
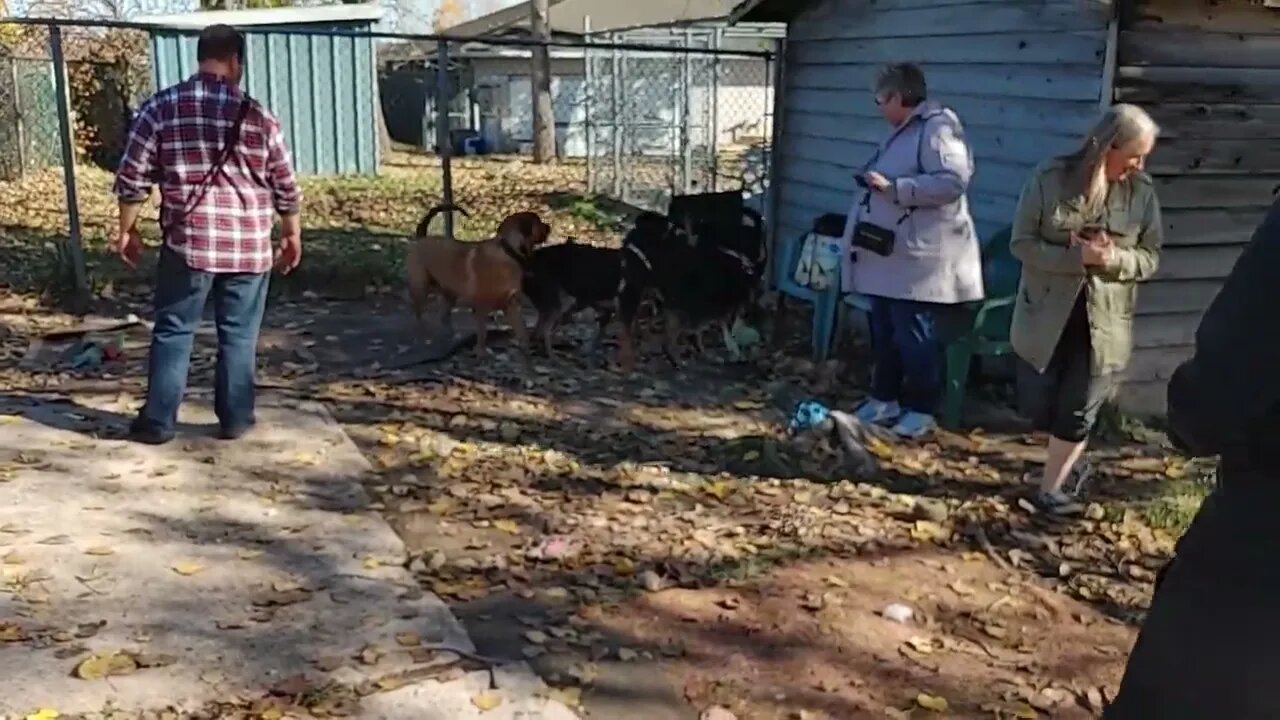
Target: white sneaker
(877,412)
(914,425)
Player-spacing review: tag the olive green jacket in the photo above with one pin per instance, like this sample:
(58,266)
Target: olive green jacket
(1053,272)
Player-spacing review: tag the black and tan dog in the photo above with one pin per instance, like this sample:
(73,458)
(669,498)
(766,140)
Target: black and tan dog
(485,276)
(709,272)
(570,277)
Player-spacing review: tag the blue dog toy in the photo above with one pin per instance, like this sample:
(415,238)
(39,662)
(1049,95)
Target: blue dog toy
(813,416)
(808,415)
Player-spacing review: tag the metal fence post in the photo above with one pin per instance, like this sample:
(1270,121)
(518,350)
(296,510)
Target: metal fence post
(619,123)
(444,141)
(686,115)
(588,80)
(713,142)
(17,118)
(65,130)
(775,115)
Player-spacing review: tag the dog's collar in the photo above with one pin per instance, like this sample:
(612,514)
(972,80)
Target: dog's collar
(747,264)
(510,251)
(640,254)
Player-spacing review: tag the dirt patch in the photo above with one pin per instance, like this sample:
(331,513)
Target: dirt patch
(811,638)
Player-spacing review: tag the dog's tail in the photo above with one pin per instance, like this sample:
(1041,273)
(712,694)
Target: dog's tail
(425,226)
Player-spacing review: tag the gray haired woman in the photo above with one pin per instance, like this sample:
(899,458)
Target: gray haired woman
(1087,230)
(915,250)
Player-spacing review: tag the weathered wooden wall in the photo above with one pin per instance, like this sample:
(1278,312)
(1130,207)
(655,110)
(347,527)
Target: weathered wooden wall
(1209,72)
(1025,76)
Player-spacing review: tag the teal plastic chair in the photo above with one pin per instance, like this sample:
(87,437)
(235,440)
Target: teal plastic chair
(825,303)
(986,330)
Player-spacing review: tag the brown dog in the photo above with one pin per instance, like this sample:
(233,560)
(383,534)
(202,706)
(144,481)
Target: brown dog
(485,276)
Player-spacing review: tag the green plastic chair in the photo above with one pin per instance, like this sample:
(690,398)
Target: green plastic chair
(984,332)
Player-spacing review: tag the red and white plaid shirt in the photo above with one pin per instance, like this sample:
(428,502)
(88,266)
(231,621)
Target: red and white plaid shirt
(176,138)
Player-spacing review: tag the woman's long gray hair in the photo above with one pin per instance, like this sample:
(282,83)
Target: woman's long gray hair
(1121,126)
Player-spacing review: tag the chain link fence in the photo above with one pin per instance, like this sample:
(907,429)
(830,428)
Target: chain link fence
(383,127)
(666,123)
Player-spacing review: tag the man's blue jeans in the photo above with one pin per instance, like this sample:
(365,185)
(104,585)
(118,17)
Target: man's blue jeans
(238,302)
(907,355)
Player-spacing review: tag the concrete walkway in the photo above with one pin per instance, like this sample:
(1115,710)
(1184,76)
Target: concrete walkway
(214,571)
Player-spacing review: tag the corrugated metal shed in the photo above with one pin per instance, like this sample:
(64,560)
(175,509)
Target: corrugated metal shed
(321,86)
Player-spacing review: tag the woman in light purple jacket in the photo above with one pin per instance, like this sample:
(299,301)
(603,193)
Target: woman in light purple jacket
(913,190)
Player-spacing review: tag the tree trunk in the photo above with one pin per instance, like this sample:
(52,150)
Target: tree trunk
(544,121)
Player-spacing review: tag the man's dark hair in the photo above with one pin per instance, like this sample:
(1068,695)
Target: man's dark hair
(220,42)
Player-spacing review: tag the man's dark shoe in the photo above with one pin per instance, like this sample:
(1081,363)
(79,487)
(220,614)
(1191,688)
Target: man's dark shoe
(235,432)
(147,435)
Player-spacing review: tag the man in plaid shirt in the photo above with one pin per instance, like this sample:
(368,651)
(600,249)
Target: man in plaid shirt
(224,174)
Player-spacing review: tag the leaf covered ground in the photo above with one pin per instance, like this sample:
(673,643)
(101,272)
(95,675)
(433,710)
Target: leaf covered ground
(607,527)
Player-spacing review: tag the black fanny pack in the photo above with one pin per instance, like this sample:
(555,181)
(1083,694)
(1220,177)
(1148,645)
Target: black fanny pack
(877,238)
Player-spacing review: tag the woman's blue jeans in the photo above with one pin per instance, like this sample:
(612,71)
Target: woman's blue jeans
(239,300)
(906,353)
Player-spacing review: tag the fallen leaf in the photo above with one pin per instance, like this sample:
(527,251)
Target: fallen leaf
(585,673)
(187,568)
(627,654)
(96,667)
(813,602)
(570,696)
(248,554)
(720,489)
(43,714)
(751,456)
(624,567)
(929,531)
(84,631)
(961,589)
(13,558)
(936,703)
(1096,702)
(100,550)
(292,686)
(370,655)
(507,526)
(10,632)
(212,677)
(391,682)
(372,563)
(408,639)
(328,663)
(995,631)
(922,645)
(55,540)
(486,700)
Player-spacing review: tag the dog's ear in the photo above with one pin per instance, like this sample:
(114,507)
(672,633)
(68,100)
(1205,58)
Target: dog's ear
(543,234)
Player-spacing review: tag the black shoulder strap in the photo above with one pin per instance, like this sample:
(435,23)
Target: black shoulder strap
(201,189)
